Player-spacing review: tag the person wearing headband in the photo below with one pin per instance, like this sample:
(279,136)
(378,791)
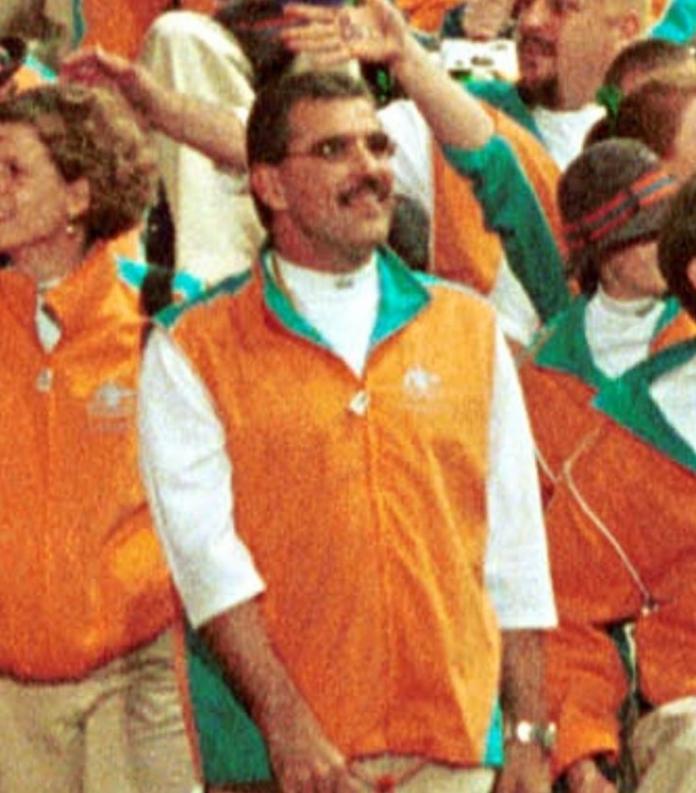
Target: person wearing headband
(621,666)
(613,199)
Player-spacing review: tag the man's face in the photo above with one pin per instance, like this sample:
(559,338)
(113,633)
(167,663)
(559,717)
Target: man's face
(333,191)
(565,46)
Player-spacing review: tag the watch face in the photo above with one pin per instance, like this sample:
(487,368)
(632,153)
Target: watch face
(542,734)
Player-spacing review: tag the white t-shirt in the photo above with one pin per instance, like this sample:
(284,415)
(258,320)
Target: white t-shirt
(619,332)
(564,131)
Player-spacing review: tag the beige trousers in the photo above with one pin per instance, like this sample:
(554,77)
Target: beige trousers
(663,746)
(120,730)
(410,776)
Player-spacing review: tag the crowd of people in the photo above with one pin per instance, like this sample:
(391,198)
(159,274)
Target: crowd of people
(349,440)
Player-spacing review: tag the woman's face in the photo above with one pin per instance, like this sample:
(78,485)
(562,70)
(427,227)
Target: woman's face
(36,203)
(681,162)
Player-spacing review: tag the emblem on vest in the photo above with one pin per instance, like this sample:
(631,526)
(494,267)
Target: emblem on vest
(421,387)
(111,407)
(421,384)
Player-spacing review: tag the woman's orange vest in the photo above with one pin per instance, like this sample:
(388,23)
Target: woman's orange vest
(83,579)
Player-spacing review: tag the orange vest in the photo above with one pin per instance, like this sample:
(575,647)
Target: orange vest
(84,581)
(362,501)
(648,502)
(463,248)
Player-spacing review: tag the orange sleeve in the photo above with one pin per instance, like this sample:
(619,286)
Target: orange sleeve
(585,686)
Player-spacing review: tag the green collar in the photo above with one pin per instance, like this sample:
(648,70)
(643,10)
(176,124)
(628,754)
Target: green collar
(401,297)
(627,400)
(564,345)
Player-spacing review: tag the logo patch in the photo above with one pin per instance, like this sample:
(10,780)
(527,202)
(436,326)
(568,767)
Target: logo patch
(111,407)
(421,384)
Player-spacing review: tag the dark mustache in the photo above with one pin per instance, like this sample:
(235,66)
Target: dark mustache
(367,184)
(546,47)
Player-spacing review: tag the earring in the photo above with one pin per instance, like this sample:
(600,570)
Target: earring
(71,228)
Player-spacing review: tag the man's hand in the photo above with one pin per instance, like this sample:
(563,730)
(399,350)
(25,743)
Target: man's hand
(305,761)
(303,758)
(526,770)
(95,66)
(375,32)
(585,777)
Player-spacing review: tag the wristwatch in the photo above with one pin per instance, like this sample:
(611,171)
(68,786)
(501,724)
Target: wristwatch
(527,732)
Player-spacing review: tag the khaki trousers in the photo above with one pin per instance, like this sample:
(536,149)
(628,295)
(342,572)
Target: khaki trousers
(409,775)
(120,730)
(663,746)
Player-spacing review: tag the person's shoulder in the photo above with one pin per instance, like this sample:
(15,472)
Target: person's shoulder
(459,295)
(202,304)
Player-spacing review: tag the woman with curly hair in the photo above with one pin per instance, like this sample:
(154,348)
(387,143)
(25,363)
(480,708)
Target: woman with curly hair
(88,694)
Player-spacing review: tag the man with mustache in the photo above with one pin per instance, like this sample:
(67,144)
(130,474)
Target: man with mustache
(357,430)
(564,47)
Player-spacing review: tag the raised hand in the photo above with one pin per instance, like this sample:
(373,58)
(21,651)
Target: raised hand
(373,32)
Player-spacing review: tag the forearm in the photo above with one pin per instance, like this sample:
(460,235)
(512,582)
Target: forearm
(238,639)
(523,676)
(212,129)
(302,756)
(455,117)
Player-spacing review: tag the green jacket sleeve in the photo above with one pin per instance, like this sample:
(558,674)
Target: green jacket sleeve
(512,210)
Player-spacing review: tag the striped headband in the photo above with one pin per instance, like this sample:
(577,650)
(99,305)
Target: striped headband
(651,188)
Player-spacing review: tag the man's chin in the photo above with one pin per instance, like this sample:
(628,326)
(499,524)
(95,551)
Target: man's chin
(542,92)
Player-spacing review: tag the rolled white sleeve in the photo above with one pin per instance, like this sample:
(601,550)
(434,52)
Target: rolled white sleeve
(516,567)
(188,478)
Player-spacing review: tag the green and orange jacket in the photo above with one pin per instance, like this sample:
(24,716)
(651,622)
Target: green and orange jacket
(622,546)
(506,203)
(559,378)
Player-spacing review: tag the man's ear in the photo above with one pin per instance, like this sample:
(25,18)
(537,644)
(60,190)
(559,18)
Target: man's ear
(79,198)
(267,186)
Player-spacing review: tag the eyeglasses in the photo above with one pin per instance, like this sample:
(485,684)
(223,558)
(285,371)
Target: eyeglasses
(338,148)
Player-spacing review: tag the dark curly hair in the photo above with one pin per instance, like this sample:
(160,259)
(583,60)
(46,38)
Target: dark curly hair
(88,135)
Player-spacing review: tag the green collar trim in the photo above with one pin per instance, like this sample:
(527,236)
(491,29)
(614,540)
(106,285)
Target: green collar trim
(627,401)
(170,315)
(401,297)
(44,71)
(505,96)
(672,308)
(565,347)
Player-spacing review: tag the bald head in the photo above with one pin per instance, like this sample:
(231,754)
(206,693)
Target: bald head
(565,46)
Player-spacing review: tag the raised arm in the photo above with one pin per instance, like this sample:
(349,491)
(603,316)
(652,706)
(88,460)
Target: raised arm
(376,32)
(215,130)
